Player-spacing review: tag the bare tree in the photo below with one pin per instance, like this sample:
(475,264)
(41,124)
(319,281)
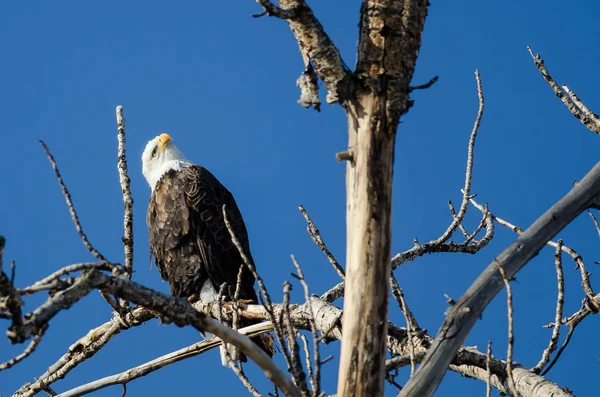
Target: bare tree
(374,97)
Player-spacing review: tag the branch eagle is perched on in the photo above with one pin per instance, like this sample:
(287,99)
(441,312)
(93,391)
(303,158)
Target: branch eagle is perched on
(189,240)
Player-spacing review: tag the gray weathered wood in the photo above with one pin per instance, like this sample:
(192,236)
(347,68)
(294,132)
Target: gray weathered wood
(461,316)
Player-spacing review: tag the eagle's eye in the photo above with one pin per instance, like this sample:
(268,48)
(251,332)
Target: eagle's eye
(154,151)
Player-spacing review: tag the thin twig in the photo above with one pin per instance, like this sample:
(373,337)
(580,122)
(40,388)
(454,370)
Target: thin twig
(182,313)
(486,220)
(71,207)
(231,355)
(559,310)
(575,106)
(296,369)
(585,276)
(511,335)
(77,267)
(315,236)
(161,362)
(564,345)
(411,323)
(402,361)
(596,224)
(460,226)
(126,192)
(309,369)
(488,388)
(236,305)
(435,246)
(593,116)
(278,328)
(313,331)
(424,86)
(28,350)
(469,171)
(242,377)
(84,348)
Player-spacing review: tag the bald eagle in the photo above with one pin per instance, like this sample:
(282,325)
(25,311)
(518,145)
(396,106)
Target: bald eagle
(189,240)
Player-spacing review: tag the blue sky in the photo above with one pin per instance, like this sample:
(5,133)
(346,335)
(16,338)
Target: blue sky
(223,85)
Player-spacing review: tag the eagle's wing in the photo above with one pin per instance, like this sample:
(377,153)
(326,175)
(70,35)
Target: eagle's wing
(171,243)
(205,197)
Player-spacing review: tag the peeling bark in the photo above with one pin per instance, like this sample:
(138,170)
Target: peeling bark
(390,36)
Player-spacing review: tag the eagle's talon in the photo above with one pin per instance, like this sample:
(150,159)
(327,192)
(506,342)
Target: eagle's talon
(193,298)
(246,302)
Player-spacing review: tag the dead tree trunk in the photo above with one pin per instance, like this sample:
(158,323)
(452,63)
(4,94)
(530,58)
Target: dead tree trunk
(390,38)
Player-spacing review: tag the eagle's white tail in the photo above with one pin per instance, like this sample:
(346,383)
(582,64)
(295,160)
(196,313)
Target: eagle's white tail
(232,353)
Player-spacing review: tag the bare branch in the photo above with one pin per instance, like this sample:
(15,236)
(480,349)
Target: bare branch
(403,361)
(596,224)
(161,362)
(334,292)
(570,100)
(315,46)
(315,236)
(468,362)
(346,155)
(243,378)
(585,276)
(454,216)
(47,282)
(440,244)
(177,310)
(231,357)
(71,207)
(28,350)
(85,348)
(309,369)
(426,85)
(278,327)
(511,335)
(488,388)
(126,192)
(559,310)
(572,326)
(584,109)
(466,191)
(296,368)
(182,313)
(435,247)
(40,317)
(411,322)
(472,363)
(313,330)
(462,316)
(418,250)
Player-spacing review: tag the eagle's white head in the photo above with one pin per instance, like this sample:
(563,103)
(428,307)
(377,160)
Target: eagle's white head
(161,156)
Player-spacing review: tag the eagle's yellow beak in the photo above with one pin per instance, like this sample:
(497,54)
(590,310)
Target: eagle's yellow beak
(164,140)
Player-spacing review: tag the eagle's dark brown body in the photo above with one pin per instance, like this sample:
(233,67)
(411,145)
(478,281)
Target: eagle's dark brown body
(189,239)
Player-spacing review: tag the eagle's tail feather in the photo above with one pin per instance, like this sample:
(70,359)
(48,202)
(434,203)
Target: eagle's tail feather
(223,354)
